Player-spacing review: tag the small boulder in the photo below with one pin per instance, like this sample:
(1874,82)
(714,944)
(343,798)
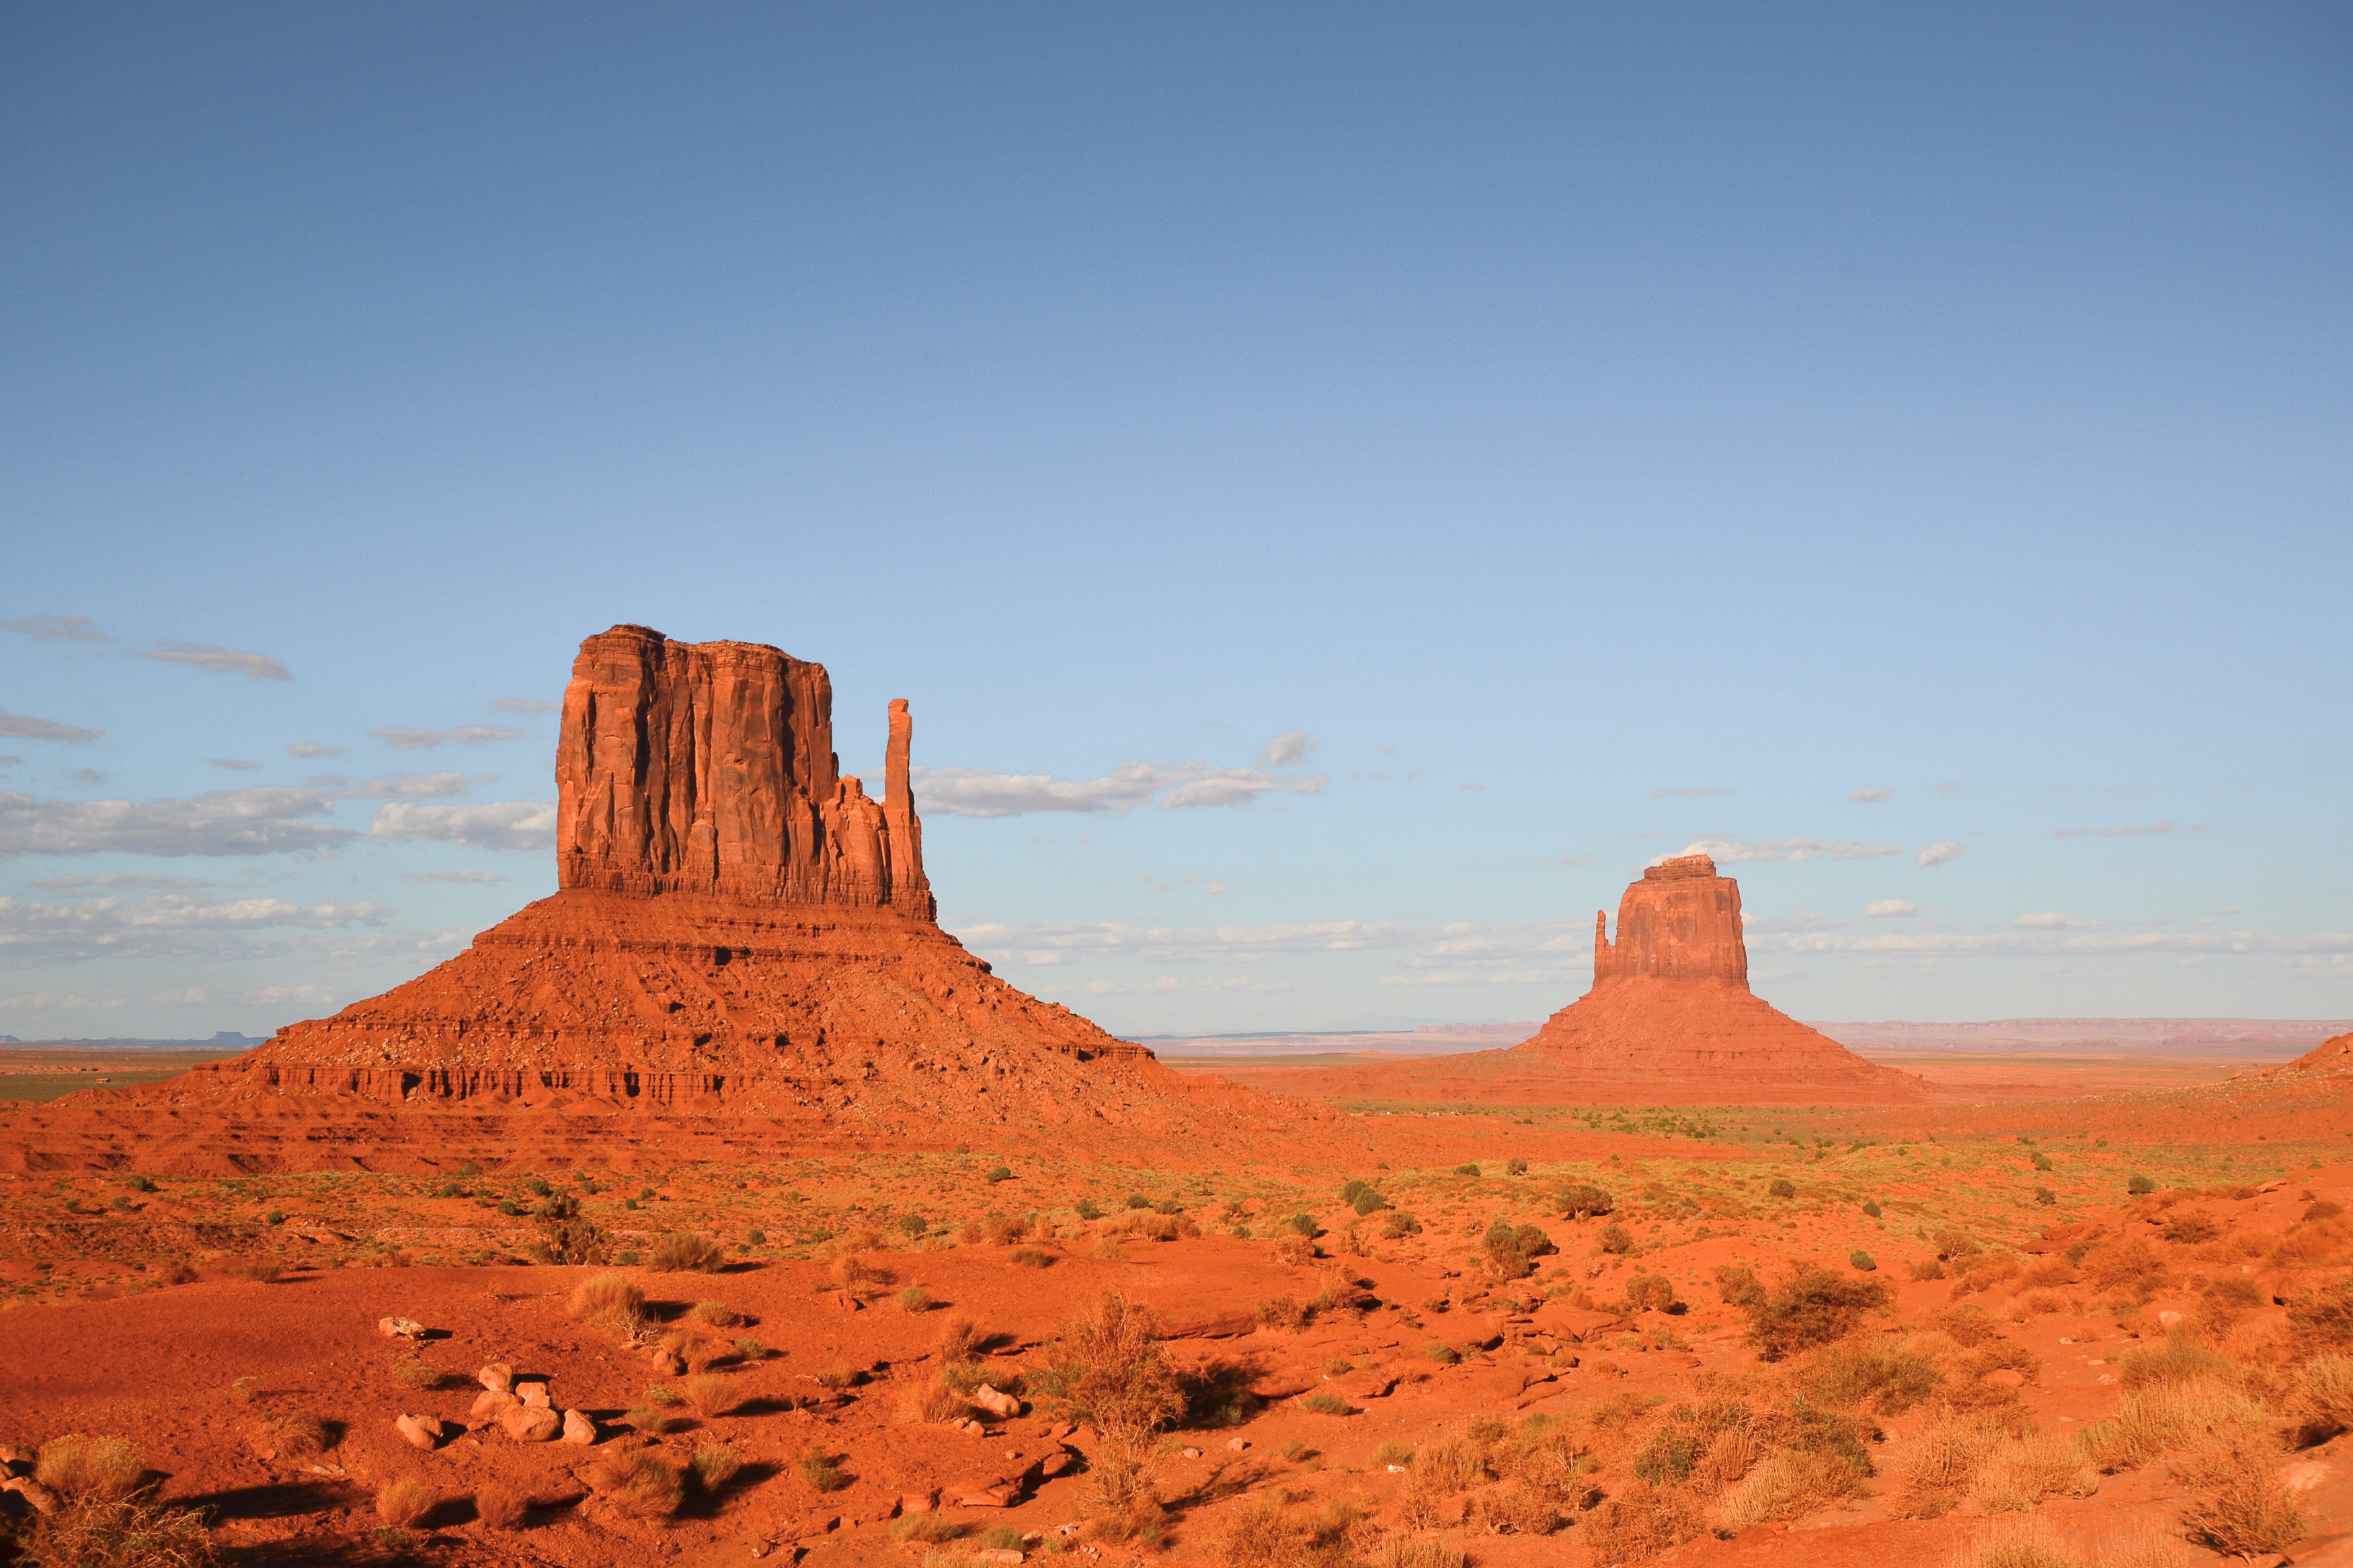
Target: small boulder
(421,1431)
(579,1429)
(983,1494)
(400,1328)
(533,1394)
(1057,1464)
(1188,1453)
(489,1405)
(998,1405)
(1000,1559)
(2004,1377)
(1238,1445)
(531,1423)
(918,1502)
(498,1377)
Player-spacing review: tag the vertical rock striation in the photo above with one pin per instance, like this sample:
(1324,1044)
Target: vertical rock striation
(709,768)
(1681,921)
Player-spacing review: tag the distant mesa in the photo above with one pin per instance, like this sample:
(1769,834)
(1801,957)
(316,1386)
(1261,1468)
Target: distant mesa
(739,928)
(1671,1012)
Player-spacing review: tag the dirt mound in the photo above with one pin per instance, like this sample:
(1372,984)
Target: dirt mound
(740,931)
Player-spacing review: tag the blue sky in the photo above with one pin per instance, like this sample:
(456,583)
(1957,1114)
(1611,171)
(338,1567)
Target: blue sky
(1397,470)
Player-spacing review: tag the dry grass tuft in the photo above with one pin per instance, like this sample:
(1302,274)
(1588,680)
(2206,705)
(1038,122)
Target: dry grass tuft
(929,1528)
(958,1338)
(718,1314)
(1640,1521)
(610,1302)
(914,1299)
(115,1534)
(2161,1416)
(2249,1510)
(714,1465)
(501,1506)
(712,1394)
(1787,1484)
(400,1502)
(2324,1387)
(687,1252)
(2019,1473)
(415,1372)
(639,1483)
(97,1469)
(933,1400)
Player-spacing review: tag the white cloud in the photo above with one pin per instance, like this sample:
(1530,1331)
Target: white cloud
(233,765)
(1288,749)
(2149,827)
(266,820)
(56,628)
(1890,908)
(493,825)
(116,883)
(1723,850)
(219,660)
(2052,920)
(312,749)
(1928,944)
(1687,794)
(983,791)
(414,786)
(1871,796)
(164,925)
(524,705)
(1049,943)
(1937,854)
(463,735)
(33,729)
(456,876)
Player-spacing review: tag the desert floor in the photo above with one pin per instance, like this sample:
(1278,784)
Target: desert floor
(2058,1355)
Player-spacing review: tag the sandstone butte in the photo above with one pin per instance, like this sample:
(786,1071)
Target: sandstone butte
(742,943)
(1670,1020)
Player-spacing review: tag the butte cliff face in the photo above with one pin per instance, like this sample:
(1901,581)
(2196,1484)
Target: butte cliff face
(709,768)
(740,929)
(1671,1017)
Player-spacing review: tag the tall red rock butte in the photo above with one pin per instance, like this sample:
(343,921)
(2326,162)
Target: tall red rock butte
(738,930)
(1669,1011)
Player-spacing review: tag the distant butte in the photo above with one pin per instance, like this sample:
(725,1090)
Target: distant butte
(740,931)
(1671,1011)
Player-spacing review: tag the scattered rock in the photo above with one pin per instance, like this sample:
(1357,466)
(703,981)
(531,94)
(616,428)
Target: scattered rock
(1189,1452)
(2005,1377)
(1239,1445)
(489,1405)
(532,1393)
(1004,1559)
(982,1494)
(918,1502)
(579,1429)
(994,1403)
(400,1328)
(499,1377)
(531,1423)
(422,1431)
(1058,1464)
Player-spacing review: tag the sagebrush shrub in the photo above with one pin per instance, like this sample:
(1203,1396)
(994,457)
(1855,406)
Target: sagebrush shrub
(687,1252)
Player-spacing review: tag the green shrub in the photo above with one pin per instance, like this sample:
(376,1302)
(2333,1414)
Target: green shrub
(1086,1209)
(2139,1185)
(1468,1168)
(1323,1403)
(1812,1306)
(1783,1187)
(1513,1249)
(1000,1173)
(1616,1240)
(1515,1167)
(1583,1200)
(1398,1223)
(1863,1260)
(820,1469)
(1139,1201)
(1304,1225)
(756,1237)
(2042,1162)
(1871,1207)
